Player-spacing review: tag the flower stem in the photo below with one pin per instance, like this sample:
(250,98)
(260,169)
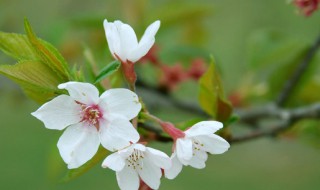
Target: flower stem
(129,74)
(151,117)
(132,86)
(167,127)
(131,77)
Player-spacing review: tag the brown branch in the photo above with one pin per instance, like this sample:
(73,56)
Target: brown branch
(286,119)
(252,115)
(260,133)
(298,73)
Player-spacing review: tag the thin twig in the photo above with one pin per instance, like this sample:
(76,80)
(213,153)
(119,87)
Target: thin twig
(251,115)
(300,70)
(158,132)
(287,117)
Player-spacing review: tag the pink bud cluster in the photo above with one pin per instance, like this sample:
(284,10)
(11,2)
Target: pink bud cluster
(171,76)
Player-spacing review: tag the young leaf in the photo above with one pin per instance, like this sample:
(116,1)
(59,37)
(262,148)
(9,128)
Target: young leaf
(35,78)
(17,46)
(211,95)
(50,56)
(108,70)
(74,173)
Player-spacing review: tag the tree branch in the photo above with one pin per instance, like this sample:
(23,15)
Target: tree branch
(300,70)
(287,117)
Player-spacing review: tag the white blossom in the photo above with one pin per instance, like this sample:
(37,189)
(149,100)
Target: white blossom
(90,120)
(123,42)
(192,148)
(135,162)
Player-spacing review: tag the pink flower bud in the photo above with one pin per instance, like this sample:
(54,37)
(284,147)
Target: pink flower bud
(197,68)
(172,76)
(171,130)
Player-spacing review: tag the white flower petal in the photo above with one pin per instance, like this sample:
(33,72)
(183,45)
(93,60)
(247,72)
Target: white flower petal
(198,160)
(126,152)
(114,162)
(128,40)
(128,179)
(213,144)
(138,146)
(117,133)
(203,128)
(145,43)
(184,148)
(121,101)
(78,144)
(150,173)
(159,158)
(59,113)
(123,42)
(119,49)
(116,43)
(150,31)
(111,35)
(85,93)
(202,154)
(141,50)
(175,169)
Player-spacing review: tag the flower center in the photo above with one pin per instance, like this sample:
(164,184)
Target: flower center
(197,146)
(135,160)
(91,115)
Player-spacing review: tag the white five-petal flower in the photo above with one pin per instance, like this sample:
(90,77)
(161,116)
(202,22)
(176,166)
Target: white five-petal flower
(137,161)
(90,120)
(192,148)
(123,43)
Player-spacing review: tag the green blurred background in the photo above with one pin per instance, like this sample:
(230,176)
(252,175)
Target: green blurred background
(29,158)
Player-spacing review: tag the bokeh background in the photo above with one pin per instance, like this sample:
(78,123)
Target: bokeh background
(29,158)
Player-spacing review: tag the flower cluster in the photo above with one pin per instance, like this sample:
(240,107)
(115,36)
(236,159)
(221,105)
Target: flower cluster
(90,120)
(110,120)
(191,147)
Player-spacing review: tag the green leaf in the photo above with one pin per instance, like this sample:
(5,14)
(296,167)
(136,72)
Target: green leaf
(17,46)
(48,54)
(35,78)
(108,70)
(211,95)
(74,173)
(40,68)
